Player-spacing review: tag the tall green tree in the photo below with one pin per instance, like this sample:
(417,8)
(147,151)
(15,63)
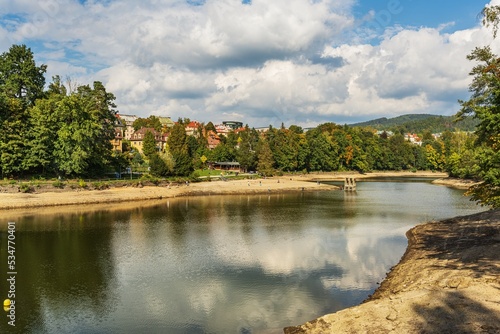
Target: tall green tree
(484,104)
(179,148)
(149,144)
(246,150)
(21,84)
(20,77)
(265,163)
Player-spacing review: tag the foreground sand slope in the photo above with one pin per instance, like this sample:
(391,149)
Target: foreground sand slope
(448,281)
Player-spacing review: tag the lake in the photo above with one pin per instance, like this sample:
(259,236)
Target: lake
(215,264)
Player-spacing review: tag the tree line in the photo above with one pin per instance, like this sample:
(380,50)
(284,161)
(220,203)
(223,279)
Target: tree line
(328,147)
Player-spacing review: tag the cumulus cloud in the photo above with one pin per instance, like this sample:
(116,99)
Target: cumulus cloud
(262,62)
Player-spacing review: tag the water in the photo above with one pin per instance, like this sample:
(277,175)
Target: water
(219,264)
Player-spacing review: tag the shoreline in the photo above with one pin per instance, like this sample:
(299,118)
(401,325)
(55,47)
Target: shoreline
(289,183)
(127,194)
(446,282)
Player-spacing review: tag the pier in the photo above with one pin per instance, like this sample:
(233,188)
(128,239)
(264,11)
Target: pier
(350,184)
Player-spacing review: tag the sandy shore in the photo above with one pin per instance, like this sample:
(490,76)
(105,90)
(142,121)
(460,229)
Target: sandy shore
(147,193)
(448,281)
(299,182)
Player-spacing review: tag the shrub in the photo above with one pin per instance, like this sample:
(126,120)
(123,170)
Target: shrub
(82,183)
(58,184)
(26,188)
(99,185)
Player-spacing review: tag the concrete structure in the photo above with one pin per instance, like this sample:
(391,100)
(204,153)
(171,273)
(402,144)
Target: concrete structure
(350,184)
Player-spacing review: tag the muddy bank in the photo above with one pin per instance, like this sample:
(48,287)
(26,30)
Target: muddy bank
(448,281)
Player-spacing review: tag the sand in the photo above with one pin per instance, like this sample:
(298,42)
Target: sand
(448,281)
(147,193)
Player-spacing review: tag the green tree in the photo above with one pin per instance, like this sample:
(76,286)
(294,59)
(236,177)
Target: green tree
(324,152)
(20,78)
(21,84)
(79,128)
(265,158)
(150,122)
(149,144)
(157,166)
(178,147)
(484,104)
(246,150)
(210,127)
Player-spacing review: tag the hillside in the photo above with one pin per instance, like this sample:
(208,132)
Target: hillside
(419,123)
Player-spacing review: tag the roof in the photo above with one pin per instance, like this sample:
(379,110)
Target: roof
(127,118)
(165,120)
(227,163)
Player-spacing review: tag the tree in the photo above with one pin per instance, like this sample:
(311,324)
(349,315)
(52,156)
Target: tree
(210,127)
(149,144)
(178,147)
(21,84)
(246,151)
(79,127)
(150,122)
(20,78)
(484,104)
(158,167)
(265,157)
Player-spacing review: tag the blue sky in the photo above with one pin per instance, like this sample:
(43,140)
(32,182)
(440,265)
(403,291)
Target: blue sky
(262,62)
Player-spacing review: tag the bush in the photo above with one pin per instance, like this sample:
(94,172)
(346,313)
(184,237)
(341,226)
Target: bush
(82,184)
(58,184)
(99,185)
(26,188)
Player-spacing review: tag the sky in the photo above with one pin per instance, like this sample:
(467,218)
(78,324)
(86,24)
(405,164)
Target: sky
(261,62)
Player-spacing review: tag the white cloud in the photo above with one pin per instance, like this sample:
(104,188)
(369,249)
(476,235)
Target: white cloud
(268,62)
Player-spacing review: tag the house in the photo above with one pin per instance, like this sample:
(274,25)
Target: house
(137,139)
(413,138)
(222,129)
(192,128)
(117,142)
(213,140)
(128,121)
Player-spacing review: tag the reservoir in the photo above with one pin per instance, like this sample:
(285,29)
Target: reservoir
(213,264)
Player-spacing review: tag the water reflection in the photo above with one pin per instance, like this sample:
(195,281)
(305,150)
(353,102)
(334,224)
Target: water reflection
(221,264)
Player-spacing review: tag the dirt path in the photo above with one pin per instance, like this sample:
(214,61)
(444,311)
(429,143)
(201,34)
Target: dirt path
(448,281)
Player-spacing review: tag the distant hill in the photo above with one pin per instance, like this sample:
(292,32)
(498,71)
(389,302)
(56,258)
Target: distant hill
(419,123)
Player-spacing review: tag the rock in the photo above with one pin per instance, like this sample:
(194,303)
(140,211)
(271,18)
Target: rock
(393,316)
